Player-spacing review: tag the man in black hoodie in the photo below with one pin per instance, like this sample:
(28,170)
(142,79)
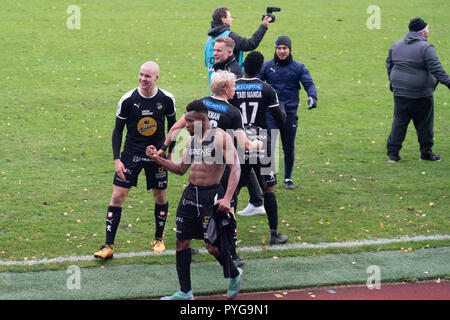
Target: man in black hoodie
(224,58)
(414,72)
(220,26)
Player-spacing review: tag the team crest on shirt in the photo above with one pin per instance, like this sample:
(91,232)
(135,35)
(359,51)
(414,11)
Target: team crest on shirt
(147,126)
(159,106)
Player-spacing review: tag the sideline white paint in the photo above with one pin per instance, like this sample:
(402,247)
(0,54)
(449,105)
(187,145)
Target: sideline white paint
(323,245)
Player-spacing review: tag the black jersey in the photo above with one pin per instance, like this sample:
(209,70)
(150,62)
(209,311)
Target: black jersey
(253,98)
(145,118)
(223,115)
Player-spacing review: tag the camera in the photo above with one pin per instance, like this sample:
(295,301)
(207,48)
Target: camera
(269,13)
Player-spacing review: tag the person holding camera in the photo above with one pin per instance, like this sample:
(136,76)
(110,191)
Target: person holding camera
(285,74)
(220,26)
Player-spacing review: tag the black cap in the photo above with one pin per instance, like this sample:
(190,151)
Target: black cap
(283,40)
(417,24)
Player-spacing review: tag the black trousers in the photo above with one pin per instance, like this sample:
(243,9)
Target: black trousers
(421,111)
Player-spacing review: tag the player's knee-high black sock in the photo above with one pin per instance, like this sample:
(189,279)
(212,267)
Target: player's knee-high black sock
(112,222)
(160,219)
(271,206)
(183,262)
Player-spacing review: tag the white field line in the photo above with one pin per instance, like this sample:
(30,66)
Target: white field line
(323,245)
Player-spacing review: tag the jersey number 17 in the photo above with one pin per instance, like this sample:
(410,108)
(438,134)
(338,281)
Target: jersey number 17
(254,111)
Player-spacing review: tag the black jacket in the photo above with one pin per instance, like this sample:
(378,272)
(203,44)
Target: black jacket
(240,43)
(220,231)
(229,65)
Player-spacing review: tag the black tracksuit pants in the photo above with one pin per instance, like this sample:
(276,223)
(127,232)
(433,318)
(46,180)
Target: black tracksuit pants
(421,111)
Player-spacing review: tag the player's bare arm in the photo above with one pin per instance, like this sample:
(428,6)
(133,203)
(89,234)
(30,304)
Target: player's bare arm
(231,160)
(177,168)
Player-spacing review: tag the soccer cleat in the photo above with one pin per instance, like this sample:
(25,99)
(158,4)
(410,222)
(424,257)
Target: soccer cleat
(180,295)
(430,157)
(158,245)
(235,286)
(106,252)
(251,210)
(278,239)
(288,184)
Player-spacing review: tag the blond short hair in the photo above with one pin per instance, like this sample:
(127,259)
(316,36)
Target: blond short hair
(220,80)
(229,43)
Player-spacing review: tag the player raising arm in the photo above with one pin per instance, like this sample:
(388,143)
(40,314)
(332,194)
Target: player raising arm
(207,152)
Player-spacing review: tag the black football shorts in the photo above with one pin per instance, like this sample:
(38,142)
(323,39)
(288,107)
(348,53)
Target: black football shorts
(195,209)
(134,163)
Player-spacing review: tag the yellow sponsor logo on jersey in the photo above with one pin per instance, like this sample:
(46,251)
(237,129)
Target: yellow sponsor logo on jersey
(147,126)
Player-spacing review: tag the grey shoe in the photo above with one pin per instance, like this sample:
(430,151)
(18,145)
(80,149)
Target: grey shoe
(278,239)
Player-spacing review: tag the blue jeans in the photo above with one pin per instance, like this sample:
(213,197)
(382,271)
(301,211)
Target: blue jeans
(288,132)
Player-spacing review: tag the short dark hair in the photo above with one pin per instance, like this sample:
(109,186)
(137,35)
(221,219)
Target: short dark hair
(197,106)
(253,63)
(219,13)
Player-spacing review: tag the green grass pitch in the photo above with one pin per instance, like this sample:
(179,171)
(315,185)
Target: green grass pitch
(60,88)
